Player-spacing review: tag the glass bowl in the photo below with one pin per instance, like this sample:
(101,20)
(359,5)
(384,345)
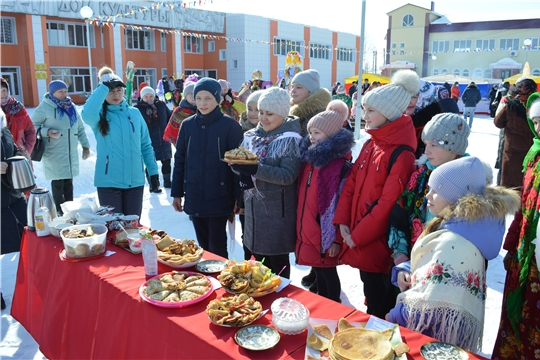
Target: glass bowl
(289,316)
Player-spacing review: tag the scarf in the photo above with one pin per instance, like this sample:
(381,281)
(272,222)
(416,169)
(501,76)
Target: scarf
(12,106)
(535,148)
(66,108)
(151,113)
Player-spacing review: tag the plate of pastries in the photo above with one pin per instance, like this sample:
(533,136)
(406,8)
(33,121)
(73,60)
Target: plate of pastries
(249,277)
(176,289)
(178,254)
(234,311)
(241,156)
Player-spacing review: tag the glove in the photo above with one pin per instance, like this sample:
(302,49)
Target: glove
(85,153)
(55,134)
(245,182)
(154,184)
(245,169)
(113,84)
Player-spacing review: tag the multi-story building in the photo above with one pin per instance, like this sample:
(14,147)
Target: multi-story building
(431,44)
(46,40)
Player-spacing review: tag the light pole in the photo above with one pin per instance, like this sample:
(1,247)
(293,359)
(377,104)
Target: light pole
(527,43)
(86,13)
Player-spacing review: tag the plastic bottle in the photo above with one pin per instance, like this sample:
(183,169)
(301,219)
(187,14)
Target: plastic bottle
(149,253)
(41,221)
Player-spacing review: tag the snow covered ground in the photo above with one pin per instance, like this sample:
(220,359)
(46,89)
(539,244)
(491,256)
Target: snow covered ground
(16,343)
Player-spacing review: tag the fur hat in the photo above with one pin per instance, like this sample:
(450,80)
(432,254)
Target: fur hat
(331,120)
(188,88)
(392,100)
(448,131)
(534,110)
(456,178)
(210,85)
(147,90)
(310,79)
(254,97)
(276,100)
(56,85)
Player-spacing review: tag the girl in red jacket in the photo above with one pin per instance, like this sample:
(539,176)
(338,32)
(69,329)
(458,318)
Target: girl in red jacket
(324,152)
(375,184)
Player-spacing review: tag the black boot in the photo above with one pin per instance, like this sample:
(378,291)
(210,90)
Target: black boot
(314,288)
(309,279)
(167,181)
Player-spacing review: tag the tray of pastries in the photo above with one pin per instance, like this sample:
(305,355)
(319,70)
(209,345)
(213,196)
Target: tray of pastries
(176,289)
(234,311)
(241,156)
(178,254)
(249,277)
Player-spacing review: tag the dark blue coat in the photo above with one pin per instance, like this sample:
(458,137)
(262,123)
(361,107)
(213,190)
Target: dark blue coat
(206,183)
(162,148)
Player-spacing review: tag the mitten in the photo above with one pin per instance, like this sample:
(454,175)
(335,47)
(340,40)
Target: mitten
(245,182)
(245,169)
(154,184)
(113,84)
(85,153)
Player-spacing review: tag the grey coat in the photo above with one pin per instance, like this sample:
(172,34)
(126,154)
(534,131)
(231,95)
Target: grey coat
(270,208)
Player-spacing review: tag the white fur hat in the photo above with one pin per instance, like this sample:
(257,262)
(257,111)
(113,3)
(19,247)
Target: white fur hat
(392,100)
(534,110)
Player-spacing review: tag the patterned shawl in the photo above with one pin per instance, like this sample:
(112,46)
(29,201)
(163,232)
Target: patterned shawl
(66,108)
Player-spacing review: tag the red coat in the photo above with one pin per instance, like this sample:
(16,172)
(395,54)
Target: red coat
(22,128)
(369,182)
(455,92)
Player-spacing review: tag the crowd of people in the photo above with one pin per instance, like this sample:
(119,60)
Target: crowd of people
(415,213)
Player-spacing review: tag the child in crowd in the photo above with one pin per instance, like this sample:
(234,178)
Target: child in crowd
(518,332)
(325,153)
(374,185)
(185,109)
(200,176)
(445,138)
(446,277)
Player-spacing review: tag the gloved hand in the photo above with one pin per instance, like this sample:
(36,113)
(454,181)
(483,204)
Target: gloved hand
(246,182)
(113,84)
(55,134)
(154,184)
(85,153)
(245,169)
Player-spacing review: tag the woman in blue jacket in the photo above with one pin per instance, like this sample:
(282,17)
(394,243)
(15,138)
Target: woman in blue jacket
(123,146)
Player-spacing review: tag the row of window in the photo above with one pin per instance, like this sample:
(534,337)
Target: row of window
(484,45)
(477,73)
(74,34)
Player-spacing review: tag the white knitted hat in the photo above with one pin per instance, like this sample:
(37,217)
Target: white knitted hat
(448,131)
(392,100)
(254,97)
(310,79)
(147,90)
(534,110)
(275,100)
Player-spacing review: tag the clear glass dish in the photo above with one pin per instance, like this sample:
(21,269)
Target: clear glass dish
(289,316)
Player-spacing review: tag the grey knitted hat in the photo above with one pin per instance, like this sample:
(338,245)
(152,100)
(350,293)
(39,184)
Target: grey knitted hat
(392,100)
(254,97)
(310,79)
(456,178)
(448,131)
(188,89)
(275,100)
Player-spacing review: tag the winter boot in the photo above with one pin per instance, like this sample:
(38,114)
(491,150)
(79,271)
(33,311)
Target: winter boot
(167,180)
(309,278)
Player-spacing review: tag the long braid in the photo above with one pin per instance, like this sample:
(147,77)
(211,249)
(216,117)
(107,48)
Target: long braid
(103,123)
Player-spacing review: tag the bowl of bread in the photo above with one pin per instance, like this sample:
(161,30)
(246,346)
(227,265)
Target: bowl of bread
(82,241)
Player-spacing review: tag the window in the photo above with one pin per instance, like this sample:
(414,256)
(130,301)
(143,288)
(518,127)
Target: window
(68,34)
(485,45)
(462,45)
(234,64)
(283,46)
(478,73)
(394,45)
(343,54)
(488,73)
(508,44)
(319,51)
(535,45)
(192,44)
(455,72)
(222,55)
(7,30)
(444,71)
(211,74)
(144,75)
(435,72)
(211,46)
(191,72)
(163,40)
(465,72)
(408,20)
(77,79)
(163,72)
(402,45)
(535,72)
(139,39)
(441,46)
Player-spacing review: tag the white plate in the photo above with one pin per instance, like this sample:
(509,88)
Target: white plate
(183,266)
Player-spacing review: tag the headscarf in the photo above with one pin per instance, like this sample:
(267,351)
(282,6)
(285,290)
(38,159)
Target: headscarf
(66,107)
(535,148)
(11,106)
(523,90)
(442,93)
(426,96)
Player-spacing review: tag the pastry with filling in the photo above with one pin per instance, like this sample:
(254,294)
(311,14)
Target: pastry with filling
(323,330)
(159,296)
(186,295)
(241,155)
(401,349)
(361,344)
(344,324)
(316,343)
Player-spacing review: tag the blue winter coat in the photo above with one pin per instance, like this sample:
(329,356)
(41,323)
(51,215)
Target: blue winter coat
(206,183)
(123,153)
(471,96)
(162,148)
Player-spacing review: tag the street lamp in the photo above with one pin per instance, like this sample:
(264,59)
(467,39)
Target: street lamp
(86,13)
(527,43)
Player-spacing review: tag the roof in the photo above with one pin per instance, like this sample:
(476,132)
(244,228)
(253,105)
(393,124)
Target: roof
(409,4)
(462,17)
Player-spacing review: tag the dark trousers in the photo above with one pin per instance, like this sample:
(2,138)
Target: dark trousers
(212,233)
(276,263)
(380,293)
(247,252)
(62,191)
(13,223)
(165,167)
(125,201)
(328,284)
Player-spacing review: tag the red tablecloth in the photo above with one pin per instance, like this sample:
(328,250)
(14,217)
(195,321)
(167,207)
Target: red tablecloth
(92,310)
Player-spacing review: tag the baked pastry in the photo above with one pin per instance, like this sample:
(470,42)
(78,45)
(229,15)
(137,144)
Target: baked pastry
(178,253)
(241,156)
(238,310)
(323,330)
(344,324)
(173,287)
(360,344)
(316,343)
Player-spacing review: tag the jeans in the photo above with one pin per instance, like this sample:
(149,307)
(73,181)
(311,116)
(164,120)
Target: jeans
(469,111)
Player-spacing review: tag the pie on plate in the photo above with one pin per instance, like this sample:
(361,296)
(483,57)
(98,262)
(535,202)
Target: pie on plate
(178,254)
(241,156)
(234,311)
(359,344)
